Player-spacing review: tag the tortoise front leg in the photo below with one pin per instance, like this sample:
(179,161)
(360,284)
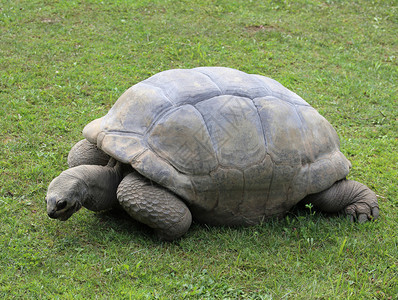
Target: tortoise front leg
(153,205)
(354,198)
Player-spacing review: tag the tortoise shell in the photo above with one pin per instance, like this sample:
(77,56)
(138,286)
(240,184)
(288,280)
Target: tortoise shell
(235,147)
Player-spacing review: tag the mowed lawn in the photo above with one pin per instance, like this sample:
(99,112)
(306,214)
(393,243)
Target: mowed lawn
(64,63)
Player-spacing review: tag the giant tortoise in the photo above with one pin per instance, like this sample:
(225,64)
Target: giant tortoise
(211,144)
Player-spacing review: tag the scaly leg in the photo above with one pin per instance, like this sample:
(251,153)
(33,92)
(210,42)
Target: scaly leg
(155,206)
(354,198)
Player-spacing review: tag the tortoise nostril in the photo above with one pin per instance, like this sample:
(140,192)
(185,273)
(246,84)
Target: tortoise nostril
(61,205)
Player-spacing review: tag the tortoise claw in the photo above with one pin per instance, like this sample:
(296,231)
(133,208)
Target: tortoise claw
(362,218)
(375,212)
(361,212)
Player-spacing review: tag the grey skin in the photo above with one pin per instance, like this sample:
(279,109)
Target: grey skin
(100,188)
(211,144)
(91,186)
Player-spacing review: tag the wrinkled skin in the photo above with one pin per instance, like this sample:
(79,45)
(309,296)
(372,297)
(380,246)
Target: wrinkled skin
(99,188)
(355,199)
(91,186)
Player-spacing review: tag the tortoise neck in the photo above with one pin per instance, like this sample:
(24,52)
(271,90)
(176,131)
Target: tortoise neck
(100,183)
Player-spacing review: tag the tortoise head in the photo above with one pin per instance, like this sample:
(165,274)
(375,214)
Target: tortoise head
(65,196)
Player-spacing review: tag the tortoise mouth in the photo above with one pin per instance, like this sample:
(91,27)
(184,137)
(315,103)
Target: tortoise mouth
(65,214)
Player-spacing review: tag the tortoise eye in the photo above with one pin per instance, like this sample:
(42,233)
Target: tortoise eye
(61,205)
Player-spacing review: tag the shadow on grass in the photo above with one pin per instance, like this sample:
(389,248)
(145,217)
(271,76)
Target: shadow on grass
(118,221)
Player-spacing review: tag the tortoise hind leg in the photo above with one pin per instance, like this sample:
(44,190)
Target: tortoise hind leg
(86,153)
(154,206)
(353,198)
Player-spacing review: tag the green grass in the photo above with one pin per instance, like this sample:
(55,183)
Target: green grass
(64,63)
